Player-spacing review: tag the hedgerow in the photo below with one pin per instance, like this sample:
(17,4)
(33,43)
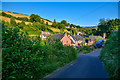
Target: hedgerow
(31,58)
(85,49)
(110,56)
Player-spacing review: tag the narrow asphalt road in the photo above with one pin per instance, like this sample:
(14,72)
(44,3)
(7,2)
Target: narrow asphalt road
(85,66)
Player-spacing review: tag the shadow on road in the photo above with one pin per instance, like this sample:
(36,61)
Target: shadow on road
(85,66)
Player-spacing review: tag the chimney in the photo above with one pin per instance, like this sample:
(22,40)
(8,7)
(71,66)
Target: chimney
(104,35)
(65,33)
(42,35)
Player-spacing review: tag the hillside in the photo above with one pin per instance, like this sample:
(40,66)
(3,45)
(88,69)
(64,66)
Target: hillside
(33,30)
(20,15)
(6,19)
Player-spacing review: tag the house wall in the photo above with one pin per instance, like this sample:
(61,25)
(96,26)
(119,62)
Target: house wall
(90,42)
(66,40)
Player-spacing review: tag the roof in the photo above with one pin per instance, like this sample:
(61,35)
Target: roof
(45,33)
(56,36)
(77,37)
(94,37)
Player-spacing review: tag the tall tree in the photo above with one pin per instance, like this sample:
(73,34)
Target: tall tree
(63,22)
(61,26)
(54,21)
(102,21)
(35,18)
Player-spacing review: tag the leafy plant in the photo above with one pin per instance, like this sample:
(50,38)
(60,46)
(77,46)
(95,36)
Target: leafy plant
(31,58)
(110,56)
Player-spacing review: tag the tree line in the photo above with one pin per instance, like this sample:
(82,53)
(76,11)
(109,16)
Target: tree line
(107,26)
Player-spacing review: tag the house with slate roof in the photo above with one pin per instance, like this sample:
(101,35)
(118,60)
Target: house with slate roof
(76,40)
(61,37)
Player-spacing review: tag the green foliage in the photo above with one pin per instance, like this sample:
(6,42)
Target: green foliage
(88,31)
(42,22)
(61,26)
(23,19)
(97,39)
(7,15)
(107,26)
(21,25)
(12,21)
(110,56)
(30,58)
(54,25)
(48,29)
(85,49)
(46,23)
(35,18)
(18,18)
(78,27)
(63,22)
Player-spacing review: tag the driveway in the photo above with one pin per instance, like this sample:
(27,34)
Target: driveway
(85,66)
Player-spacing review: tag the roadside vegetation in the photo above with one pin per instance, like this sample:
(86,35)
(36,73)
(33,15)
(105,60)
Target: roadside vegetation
(110,55)
(31,58)
(85,49)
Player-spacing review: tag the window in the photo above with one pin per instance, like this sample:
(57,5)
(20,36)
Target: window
(66,41)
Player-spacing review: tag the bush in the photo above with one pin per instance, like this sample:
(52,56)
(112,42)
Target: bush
(85,49)
(97,39)
(25,58)
(110,56)
(23,19)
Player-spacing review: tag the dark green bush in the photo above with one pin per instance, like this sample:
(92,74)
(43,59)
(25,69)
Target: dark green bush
(23,19)
(31,59)
(85,49)
(110,56)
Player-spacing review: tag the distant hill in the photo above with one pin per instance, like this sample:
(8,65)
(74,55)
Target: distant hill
(8,20)
(20,15)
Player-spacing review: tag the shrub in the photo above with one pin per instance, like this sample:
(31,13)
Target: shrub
(110,56)
(85,49)
(31,59)
(97,39)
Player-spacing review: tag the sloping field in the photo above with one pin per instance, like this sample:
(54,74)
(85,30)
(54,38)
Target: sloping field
(58,30)
(16,14)
(22,15)
(54,29)
(8,20)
